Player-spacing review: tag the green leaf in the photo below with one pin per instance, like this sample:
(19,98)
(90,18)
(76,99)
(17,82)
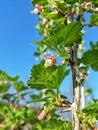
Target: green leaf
(94,46)
(41,99)
(88,91)
(91,58)
(62,36)
(95,66)
(83,69)
(50,93)
(39,76)
(19,86)
(34,97)
(72,33)
(4,88)
(61,6)
(73,1)
(6,81)
(70,1)
(52,15)
(93,107)
(5,76)
(94,19)
(57,77)
(40,2)
(95,2)
(50,77)
(54,124)
(7,96)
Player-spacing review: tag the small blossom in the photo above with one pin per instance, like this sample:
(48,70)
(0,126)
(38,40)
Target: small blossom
(69,19)
(50,61)
(44,21)
(38,6)
(51,22)
(88,5)
(96,9)
(37,9)
(43,114)
(83,5)
(80,47)
(44,93)
(81,65)
(73,11)
(84,75)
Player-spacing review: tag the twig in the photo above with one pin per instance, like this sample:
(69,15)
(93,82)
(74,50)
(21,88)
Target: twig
(66,110)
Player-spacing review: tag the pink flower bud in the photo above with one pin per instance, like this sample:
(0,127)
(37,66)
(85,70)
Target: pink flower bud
(37,9)
(84,3)
(38,6)
(73,11)
(86,6)
(43,114)
(50,61)
(84,75)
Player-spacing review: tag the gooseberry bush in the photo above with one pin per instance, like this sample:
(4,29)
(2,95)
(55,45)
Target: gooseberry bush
(61,52)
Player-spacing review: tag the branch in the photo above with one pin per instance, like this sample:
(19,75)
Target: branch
(66,110)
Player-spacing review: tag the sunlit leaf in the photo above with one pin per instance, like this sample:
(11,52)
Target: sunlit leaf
(57,77)
(39,76)
(62,36)
(91,58)
(40,2)
(94,19)
(50,77)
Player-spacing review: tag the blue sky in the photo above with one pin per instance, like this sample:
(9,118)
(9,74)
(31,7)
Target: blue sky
(17,32)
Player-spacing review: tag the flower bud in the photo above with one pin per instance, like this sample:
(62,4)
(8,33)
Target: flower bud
(43,114)
(96,9)
(50,61)
(83,5)
(44,21)
(83,75)
(37,9)
(88,6)
(73,11)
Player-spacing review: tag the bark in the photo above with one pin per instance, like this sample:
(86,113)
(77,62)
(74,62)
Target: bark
(77,96)
(82,96)
(76,89)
